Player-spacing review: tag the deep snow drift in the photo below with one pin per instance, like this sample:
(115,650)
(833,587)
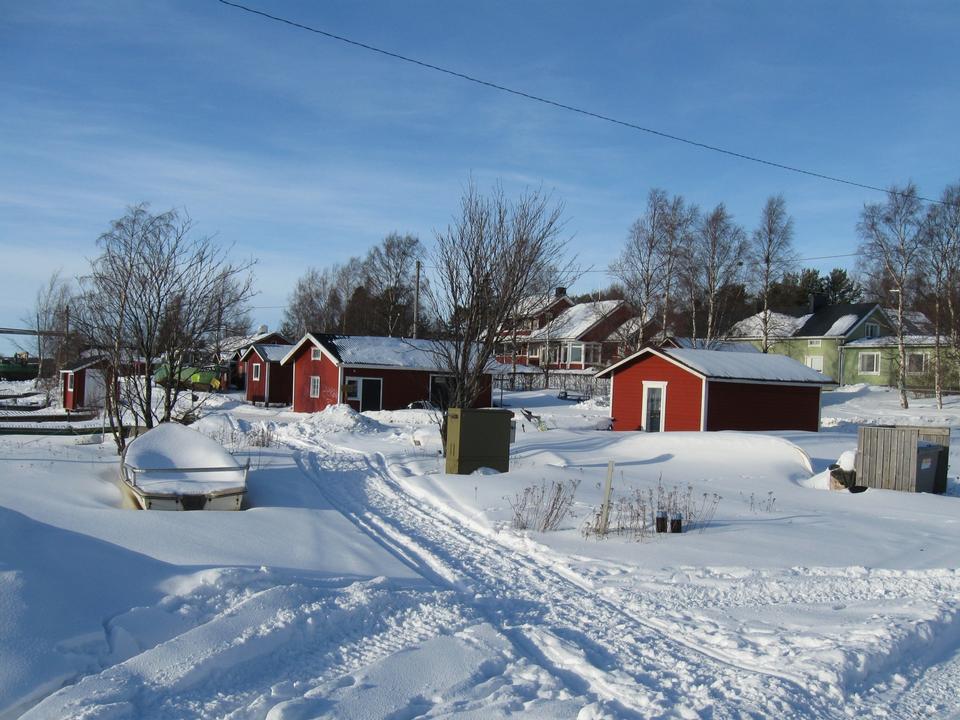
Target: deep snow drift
(364,583)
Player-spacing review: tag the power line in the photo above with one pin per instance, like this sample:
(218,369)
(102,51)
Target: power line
(573,108)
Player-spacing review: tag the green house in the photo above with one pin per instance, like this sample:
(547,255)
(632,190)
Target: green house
(849,342)
(816,335)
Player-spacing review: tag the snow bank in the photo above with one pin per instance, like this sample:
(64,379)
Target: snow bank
(333,419)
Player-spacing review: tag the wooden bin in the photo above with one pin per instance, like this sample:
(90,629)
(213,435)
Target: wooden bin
(478,438)
(888,457)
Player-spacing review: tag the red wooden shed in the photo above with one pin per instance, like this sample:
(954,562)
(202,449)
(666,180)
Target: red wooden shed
(267,380)
(82,384)
(680,389)
(368,373)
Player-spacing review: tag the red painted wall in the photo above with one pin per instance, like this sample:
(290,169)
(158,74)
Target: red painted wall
(751,406)
(73,400)
(683,394)
(256,389)
(400,387)
(303,369)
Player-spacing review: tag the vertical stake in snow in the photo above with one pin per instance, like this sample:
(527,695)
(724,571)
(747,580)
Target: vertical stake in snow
(605,507)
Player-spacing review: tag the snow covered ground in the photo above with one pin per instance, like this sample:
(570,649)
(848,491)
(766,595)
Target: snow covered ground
(364,583)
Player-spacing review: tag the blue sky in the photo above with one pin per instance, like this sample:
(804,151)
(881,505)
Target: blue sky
(303,151)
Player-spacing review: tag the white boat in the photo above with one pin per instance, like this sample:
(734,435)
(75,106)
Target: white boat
(172,467)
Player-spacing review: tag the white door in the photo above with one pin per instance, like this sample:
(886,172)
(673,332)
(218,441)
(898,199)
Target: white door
(654,406)
(814,362)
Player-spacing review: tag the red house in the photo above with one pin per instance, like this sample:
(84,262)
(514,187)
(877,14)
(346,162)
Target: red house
(368,373)
(681,389)
(267,380)
(82,384)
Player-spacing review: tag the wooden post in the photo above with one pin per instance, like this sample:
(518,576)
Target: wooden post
(605,507)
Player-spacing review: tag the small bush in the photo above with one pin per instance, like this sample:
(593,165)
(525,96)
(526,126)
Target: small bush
(542,507)
(634,513)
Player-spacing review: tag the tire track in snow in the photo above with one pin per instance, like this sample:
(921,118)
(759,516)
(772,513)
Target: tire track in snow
(593,646)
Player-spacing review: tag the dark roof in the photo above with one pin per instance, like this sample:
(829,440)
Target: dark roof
(824,319)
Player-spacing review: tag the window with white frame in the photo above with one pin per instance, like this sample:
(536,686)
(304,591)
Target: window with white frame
(256,371)
(70,382)
(315,354)
(868,363)
(814,362)
(871,330)
(353,388)
(814,342)
(314,386)
(916,363)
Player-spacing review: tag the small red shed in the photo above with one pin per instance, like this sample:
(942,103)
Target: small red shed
(368,373)
(680,389)
(82,384)
(267,380)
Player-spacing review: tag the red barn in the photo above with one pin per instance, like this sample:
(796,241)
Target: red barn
(680,389)
(82,384)
(267,380)
(368,373)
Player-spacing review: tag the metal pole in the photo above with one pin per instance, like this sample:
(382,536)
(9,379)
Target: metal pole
(416,302)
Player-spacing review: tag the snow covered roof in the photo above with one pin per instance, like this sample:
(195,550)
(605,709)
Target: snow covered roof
(238,343)
(702,344)
(891,341)
(720,365)
(829,321)
(375,351)
(83,363)
(914,321)
(270,353)
(576,320)
(535,304)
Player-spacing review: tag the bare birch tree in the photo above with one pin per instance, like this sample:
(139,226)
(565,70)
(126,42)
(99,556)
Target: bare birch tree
(682,219)
(716,262)
(941,257)
(640,268)
(891,242)
(156,293)
(486,260)
(770,255)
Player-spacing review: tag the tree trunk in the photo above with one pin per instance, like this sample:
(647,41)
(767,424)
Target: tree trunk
(902,372)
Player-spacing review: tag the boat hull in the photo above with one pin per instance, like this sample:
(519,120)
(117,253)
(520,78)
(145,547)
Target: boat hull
(222,500)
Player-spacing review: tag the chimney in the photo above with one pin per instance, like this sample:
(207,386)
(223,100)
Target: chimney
(815,301)
(560,292)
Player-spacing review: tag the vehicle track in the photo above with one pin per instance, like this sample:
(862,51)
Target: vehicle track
(596,648)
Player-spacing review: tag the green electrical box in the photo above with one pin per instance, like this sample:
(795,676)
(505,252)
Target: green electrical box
(476,439)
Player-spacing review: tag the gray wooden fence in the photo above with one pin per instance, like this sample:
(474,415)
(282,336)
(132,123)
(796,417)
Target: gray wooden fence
(887,456)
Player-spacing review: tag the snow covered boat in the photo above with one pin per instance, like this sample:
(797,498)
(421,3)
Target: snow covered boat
(172,467)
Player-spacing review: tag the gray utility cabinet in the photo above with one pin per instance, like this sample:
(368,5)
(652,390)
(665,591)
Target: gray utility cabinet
(903,457)
(476,439)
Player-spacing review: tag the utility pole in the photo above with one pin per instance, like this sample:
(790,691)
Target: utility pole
(416,301)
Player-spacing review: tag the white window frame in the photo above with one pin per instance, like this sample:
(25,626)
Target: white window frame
(359,385)
(923,364)
(70,381)
(357,381)
(316,353)
(663,403)
(314,386)
(814,342)
(256,372)
(862,354)
(807,361)
(871,330)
